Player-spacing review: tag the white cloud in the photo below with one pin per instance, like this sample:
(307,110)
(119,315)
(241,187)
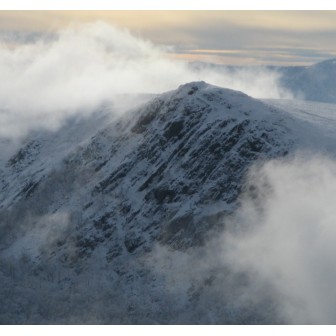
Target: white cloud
(49,79)
(39,234)
(276,257)
(288,237)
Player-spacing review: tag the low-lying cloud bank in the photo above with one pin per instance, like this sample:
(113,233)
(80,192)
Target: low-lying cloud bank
(276,259)
(49,79)
(289,236)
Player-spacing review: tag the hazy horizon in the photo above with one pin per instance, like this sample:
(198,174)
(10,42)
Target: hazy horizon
(221,36)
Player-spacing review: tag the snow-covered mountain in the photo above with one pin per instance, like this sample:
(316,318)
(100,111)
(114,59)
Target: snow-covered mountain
(84,208)
(315,82)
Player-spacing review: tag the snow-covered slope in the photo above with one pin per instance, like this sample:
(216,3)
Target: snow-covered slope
(317,123)
(316,82)
(83,209)
(183,156)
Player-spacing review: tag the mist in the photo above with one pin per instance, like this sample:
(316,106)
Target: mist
(275,257)
(288,236)
(51,78)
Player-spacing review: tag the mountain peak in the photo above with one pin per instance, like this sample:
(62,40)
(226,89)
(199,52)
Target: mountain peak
(331,61)
(195,84)
(170,177)
(192,87)
(325,68)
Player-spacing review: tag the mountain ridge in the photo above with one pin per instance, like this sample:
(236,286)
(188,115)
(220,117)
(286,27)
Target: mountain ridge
(167,174)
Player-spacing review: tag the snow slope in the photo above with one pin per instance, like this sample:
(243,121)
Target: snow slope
(84,209)
(315,82)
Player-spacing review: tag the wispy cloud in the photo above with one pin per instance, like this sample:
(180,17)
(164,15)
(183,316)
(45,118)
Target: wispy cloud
(51,78)
(211,30)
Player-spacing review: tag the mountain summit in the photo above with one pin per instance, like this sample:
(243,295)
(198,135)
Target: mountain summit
(167,174)
(162,170)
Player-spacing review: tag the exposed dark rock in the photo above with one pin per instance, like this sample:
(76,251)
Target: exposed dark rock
(167,175)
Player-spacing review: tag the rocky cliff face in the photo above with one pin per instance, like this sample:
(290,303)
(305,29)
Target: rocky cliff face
(82,208)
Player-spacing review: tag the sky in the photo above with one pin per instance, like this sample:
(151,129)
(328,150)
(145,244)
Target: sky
(218,36)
